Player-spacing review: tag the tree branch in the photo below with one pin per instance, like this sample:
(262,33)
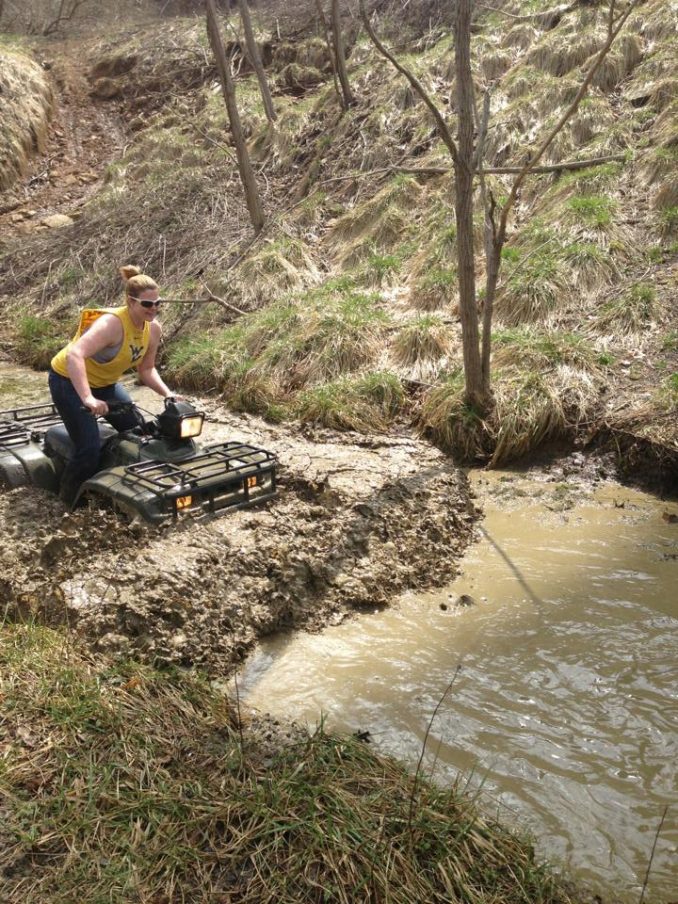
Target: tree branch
(496,170)
(571,110)
(444,131)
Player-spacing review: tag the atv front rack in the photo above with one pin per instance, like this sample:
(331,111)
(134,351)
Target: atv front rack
(221,475)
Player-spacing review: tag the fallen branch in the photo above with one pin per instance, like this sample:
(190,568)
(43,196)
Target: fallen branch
(497,170)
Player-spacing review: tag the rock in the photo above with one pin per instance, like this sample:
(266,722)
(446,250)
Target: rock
(465,600)
(57,220)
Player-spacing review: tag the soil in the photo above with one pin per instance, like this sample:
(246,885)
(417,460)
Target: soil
(356,521)
(84,135)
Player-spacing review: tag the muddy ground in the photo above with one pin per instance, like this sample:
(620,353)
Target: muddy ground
(356,521)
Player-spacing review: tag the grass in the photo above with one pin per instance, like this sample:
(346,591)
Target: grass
(366,404)
(426,338)
(545,385)
(38,339)
(593,210)
(269,357)
(630,311)
(124,784)
(533,279)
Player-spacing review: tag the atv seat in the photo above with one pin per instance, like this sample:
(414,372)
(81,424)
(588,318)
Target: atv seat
(58,439)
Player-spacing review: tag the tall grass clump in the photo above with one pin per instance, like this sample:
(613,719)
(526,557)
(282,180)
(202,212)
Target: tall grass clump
(366,404)
(546,385)
(424,339)
(533,279)
(377,223)
(450,422)
(120,784)
(270,355)
(38,339)
(630,311)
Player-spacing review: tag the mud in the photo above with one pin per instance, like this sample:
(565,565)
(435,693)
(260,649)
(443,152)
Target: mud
(357,520)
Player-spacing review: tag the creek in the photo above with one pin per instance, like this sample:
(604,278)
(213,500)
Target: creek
(562,712)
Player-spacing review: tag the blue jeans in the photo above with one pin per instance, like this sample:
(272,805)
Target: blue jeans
(83,429)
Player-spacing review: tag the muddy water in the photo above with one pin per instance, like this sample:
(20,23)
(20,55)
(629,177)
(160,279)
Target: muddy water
(565,709)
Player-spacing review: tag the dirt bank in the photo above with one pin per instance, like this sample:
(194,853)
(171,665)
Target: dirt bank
(357,521)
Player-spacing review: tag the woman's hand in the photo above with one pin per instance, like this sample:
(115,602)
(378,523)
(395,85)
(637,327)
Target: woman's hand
(96,406)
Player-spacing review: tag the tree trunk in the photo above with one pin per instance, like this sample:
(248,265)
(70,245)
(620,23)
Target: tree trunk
(340,56)
(476,390)
(244,166)
(255,58)
(330,51)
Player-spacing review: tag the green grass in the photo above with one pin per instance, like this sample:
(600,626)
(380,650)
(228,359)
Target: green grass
(539,350)
(532,279)
(120,783)
(38,339)
(668,218)
(366,404)
(593,210)
(267,358)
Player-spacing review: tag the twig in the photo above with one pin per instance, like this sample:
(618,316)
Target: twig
(654,846)
(237,706)
(221,301)
(423,746)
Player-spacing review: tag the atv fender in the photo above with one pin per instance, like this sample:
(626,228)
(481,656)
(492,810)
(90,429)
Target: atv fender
(23,463)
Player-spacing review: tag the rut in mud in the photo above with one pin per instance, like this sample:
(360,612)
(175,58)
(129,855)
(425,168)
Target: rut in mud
(357,520)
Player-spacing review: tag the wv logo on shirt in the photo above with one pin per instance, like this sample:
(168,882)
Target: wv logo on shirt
(136,352)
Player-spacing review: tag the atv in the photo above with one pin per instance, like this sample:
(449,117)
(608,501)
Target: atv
(154,470)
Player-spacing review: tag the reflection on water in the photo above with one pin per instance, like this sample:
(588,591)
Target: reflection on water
(566,706)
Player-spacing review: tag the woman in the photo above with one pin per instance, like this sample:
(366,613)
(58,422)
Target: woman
(84,375)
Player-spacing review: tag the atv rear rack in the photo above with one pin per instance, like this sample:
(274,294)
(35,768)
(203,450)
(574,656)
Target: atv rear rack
(13,434)
(35,420)
(222,475)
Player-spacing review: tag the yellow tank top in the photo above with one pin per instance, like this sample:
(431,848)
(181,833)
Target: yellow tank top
(109,364)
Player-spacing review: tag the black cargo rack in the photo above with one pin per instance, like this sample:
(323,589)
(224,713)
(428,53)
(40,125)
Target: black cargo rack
(223,474)
(13,434)
(36,419)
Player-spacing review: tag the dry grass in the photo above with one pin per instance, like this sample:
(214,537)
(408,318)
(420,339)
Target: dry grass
(424,340)
(378,222)
(268,357)
(25,109)
(546,386)
(120,783)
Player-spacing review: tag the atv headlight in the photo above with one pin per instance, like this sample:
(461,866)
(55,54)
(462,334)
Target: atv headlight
(180,420)
(191,426)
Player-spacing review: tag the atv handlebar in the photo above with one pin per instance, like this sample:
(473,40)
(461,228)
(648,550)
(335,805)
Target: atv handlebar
(113,406)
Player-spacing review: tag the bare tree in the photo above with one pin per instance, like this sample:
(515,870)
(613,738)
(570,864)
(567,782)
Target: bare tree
(244,165)
(467,159)
(66,10)
(255,59)
(340,56)
(330,50)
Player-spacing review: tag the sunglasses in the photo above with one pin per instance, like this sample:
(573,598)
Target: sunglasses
(148,304)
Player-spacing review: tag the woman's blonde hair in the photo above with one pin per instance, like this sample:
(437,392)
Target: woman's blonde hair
(136,282)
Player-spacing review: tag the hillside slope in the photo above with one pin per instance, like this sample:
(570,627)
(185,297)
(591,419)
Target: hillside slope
(351,288)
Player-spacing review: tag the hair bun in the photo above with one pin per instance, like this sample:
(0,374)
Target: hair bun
(129,271)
